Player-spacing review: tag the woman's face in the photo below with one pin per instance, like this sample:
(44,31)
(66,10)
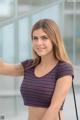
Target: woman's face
(41,43)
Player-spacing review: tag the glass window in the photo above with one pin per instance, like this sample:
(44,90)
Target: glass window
(77,41)
(32,6)
(57,16)
(0,43)
(6,9)
(46,13)
(7,83)
(7,54)
(28,6)
(68,34)
(24,39)
(8,43)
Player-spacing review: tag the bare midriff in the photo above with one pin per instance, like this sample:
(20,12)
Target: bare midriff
(37,113)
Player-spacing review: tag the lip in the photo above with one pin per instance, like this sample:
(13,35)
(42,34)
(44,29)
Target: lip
(41,49)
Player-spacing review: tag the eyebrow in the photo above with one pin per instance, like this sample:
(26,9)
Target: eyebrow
(39,36)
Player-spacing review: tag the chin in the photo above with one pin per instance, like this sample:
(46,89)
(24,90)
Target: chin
(41,55)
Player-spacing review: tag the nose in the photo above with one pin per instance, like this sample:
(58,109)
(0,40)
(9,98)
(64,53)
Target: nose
(39,42)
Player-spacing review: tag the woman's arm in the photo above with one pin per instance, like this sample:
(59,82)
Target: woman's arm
(62,87)
(11,69)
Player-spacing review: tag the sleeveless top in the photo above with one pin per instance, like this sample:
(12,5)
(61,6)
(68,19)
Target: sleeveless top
(38,91)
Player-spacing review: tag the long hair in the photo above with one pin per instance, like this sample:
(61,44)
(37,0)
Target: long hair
(53,32)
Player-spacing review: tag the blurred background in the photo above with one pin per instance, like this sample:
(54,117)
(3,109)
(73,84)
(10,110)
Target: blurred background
(16,20)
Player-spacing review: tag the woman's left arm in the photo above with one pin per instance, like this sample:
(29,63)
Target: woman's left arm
(63,85)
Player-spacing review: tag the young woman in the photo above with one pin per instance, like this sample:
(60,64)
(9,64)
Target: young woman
(48,76)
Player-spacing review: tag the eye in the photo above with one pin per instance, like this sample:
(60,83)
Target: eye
(35,38)
(44,37)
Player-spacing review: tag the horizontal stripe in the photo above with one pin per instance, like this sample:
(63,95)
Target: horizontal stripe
(37,91)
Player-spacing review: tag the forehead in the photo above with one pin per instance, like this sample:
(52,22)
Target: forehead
(39,32)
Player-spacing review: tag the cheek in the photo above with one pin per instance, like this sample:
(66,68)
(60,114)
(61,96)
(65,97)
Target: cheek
(33,46)
(50,45)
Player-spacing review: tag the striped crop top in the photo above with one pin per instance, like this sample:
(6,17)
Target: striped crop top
(38,91)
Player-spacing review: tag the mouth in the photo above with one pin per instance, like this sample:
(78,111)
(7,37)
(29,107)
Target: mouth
(40,49)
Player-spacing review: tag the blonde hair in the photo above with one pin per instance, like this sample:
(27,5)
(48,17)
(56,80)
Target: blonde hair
(53,32)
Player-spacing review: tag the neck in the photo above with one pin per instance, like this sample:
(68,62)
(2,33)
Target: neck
(48,60)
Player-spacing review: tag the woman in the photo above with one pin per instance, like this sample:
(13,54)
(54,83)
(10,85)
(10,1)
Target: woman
(48,76)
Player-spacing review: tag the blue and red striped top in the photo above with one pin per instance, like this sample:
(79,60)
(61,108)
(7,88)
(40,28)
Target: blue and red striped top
(38,91)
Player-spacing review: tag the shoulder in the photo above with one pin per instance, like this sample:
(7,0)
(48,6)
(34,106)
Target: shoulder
(27,63)
(65,65)
(65,68)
